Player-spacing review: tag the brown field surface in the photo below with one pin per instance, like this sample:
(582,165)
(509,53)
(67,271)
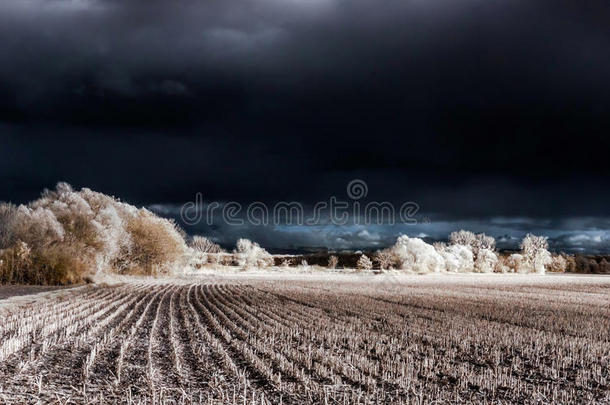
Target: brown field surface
(7,291)
(266,338)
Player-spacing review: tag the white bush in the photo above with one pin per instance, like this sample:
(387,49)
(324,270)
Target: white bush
(558,264)
(515,263)
(458,258)
(486,261)
(535,253)
(364,263)
(415,255)
(250,254)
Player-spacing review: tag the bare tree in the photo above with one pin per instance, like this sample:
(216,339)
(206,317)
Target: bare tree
(333,261)
(204,245)
(385,258)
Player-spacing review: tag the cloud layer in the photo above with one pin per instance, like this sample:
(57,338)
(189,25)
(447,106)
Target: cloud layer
(470,108)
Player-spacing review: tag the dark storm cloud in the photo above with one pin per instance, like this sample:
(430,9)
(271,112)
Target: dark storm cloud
(470,108)
(568,234)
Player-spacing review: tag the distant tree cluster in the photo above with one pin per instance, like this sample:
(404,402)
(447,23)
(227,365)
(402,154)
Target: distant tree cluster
(66,235)
(469,252)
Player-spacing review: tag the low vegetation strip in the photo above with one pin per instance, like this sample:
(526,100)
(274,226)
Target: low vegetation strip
(300,342)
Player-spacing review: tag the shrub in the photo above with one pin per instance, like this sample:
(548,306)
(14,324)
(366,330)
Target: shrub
(385,258)
(516,263)
(364,263)
(558,264)
(535,253)
(72,234)
(486,261)
(54,265)
(157,245)
(250,254)
(414,254)
(474,242)
(458,258)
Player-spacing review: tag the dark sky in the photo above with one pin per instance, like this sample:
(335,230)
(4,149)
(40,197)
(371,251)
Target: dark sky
(474,109)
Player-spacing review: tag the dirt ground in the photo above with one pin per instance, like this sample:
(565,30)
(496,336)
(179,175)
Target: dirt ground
(7,291)
(300,339)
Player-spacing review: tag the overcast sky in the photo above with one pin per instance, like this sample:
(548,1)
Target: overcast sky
(473,109)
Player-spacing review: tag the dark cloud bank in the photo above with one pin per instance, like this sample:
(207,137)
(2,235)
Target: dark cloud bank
(475,110)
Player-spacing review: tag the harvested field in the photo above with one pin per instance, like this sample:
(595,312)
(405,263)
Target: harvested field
(298,341)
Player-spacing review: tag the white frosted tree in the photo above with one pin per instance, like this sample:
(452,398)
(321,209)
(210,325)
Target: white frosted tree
(485,242)
(472,240)
(458,258)
(464,238)
(515,263)
(364,263)
(536,255)
(250,254)
(333,261)
(486,261)
(415,255)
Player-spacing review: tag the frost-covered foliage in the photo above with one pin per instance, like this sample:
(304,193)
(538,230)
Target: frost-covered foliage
(333,261)
(463,238)
(250,254)
(204,245)
(385,258)
(69,234)
(364,263)
(413,254)
(515,263)
(558,264)
(535,253)
(458,258)
(474,241)
(482,250)
(470,252)
(486,261)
